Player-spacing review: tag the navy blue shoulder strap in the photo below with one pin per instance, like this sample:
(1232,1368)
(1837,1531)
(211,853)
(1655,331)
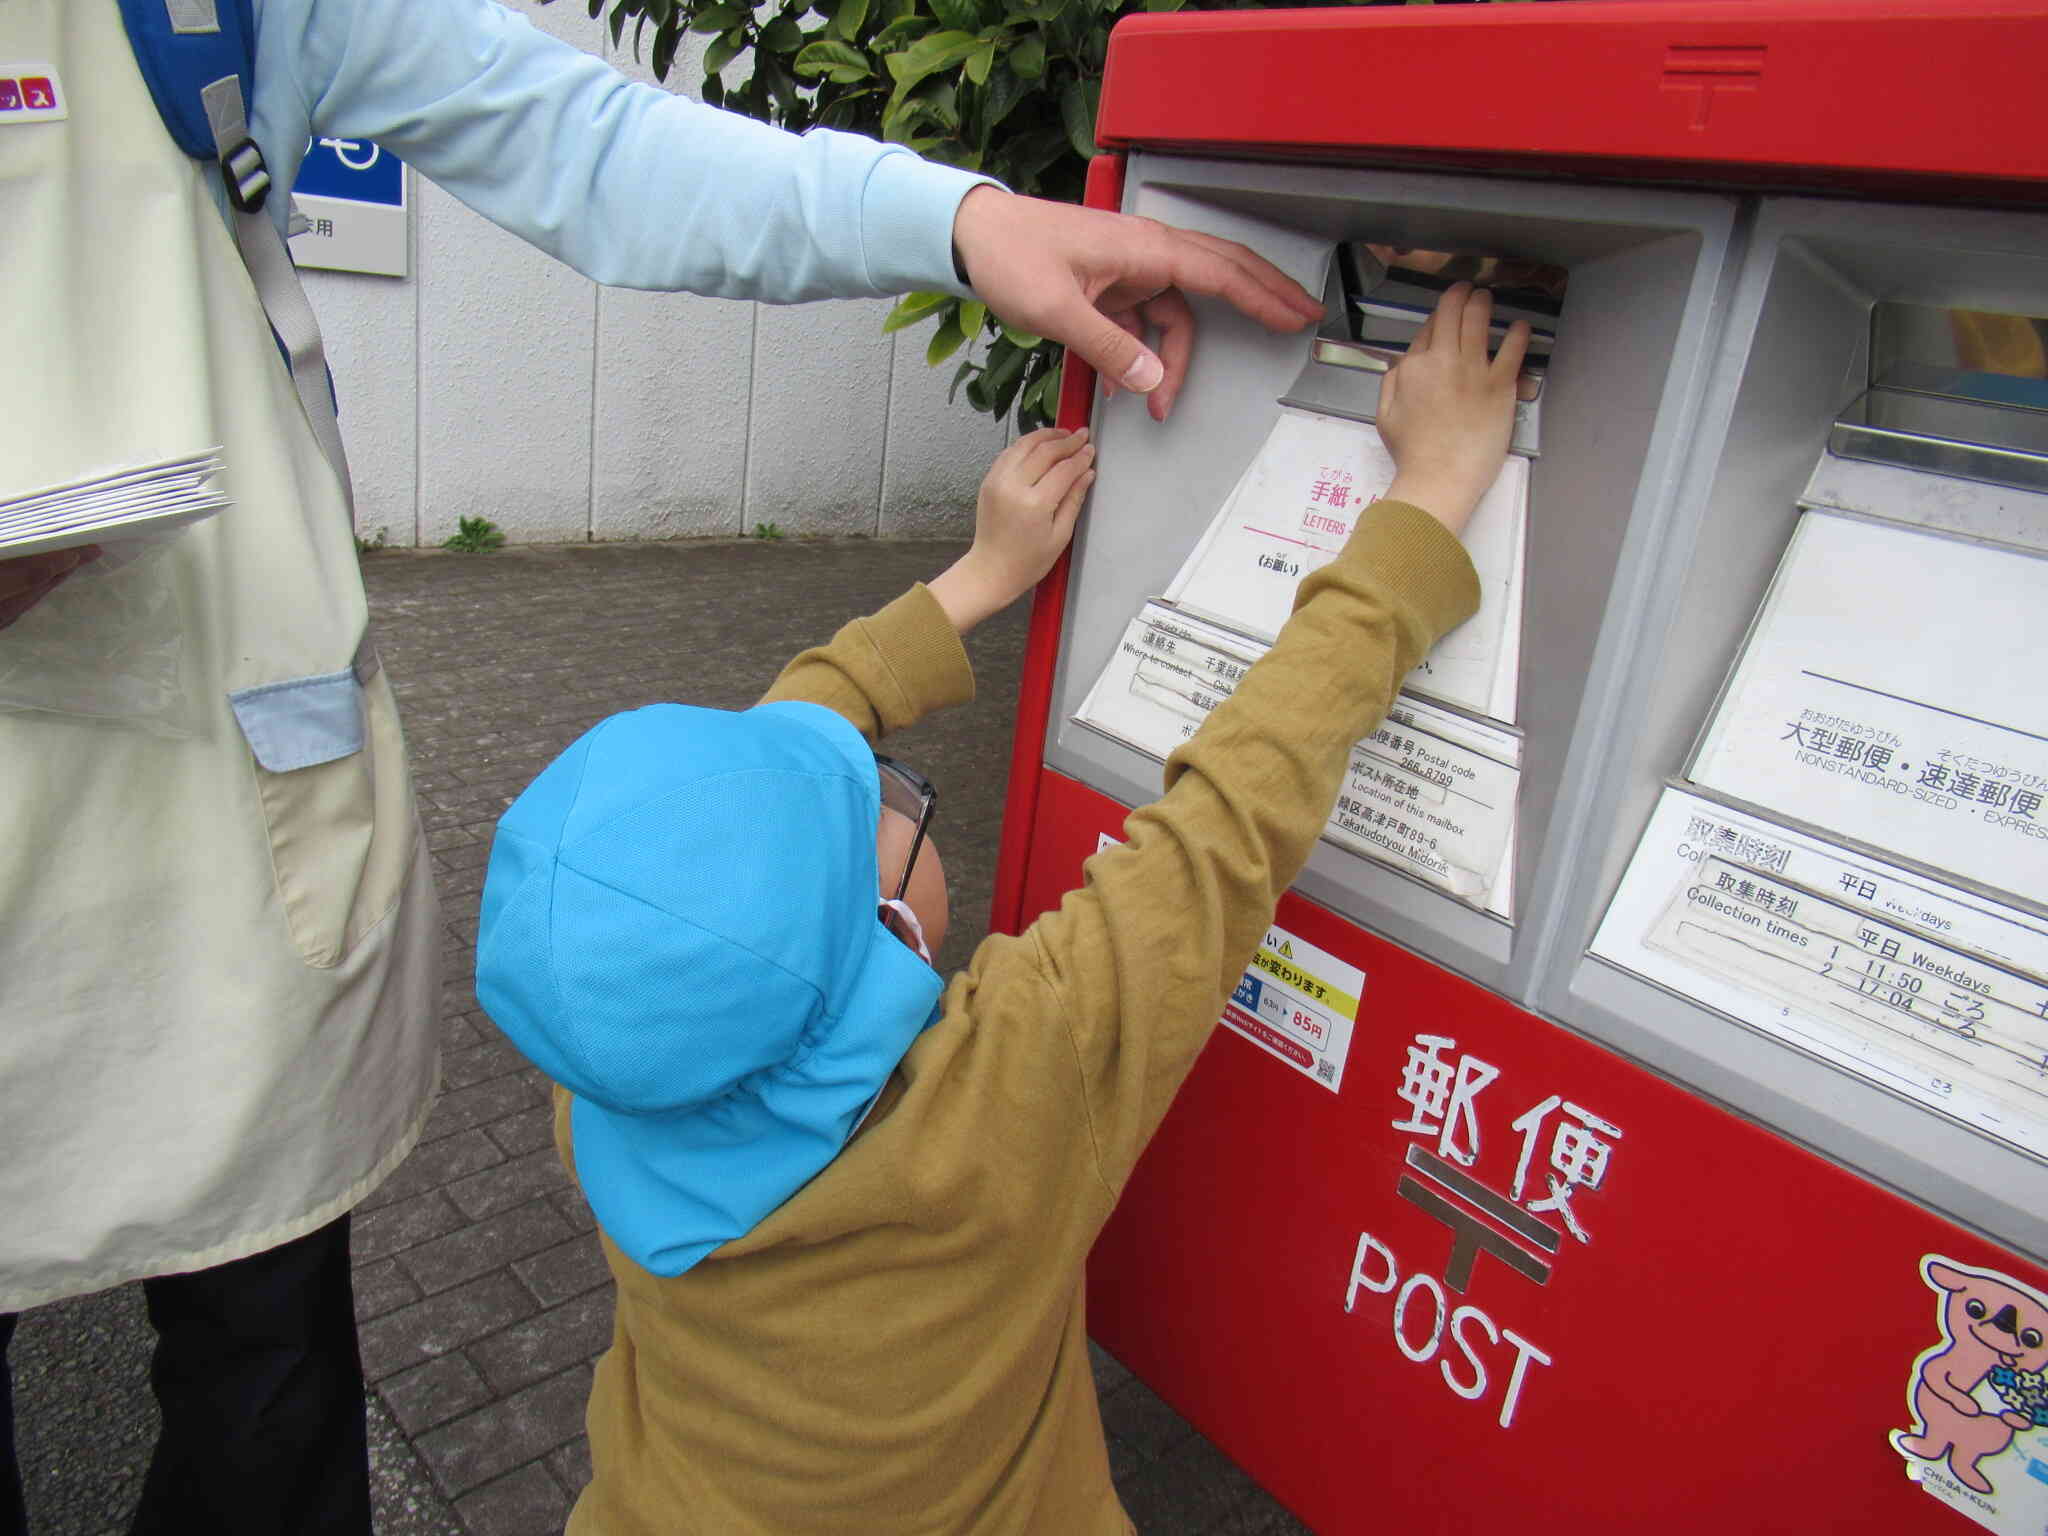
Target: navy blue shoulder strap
(199,58)
(183,46)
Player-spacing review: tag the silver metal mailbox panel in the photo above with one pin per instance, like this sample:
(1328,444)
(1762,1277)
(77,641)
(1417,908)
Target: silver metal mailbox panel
(1793,353)
(1631,360)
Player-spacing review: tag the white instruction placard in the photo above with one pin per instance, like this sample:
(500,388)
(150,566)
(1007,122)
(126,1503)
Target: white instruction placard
(1925,988)
(1290,513)
(1168,671)
(1428,805)
(1893,690)
(1430,792)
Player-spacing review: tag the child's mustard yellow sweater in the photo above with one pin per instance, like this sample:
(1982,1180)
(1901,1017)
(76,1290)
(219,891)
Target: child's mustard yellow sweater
(902,1346)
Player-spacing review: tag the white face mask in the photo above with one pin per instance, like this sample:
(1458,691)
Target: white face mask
(902,910)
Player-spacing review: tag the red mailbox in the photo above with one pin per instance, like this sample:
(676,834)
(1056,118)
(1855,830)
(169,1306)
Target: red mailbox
(1516,1231)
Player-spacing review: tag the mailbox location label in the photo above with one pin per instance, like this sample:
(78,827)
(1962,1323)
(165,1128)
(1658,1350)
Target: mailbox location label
(1298,1002)
(352,193)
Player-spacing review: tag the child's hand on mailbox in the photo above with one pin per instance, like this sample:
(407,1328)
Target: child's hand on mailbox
(1023,519)
(1446,409)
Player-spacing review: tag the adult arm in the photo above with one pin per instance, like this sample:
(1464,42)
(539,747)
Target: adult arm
(633,186)
(1101,282)
(628,184)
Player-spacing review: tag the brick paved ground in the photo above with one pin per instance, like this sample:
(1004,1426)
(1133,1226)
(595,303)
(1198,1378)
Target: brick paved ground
(482,1296)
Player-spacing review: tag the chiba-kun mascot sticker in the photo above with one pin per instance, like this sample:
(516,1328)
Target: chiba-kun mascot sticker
(1979,1399)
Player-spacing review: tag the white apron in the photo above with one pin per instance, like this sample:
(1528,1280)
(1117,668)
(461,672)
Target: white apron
(218,942)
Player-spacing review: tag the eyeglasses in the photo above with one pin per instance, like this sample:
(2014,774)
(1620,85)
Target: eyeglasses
(906,791)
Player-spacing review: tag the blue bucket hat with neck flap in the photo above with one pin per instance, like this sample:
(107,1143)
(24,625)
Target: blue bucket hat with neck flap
(679,926)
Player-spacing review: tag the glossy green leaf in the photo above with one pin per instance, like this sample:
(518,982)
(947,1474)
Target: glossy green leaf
(1035,406)
(1006,365)
(782,87)
(897,123)
(1028,58)
(929,109)
(841,61)
(947,340)
(973,314)
(959,374)
(999,99)
(618,25)
(665,42)
(1055,382)
(902,30)
(847,19)
(1024,339)
(783,35)
(913,307)
(1002,391)
(936,52)
(979,62)
(723,50)
(1031,403)
(1031,153)
(719,18)
(1077,112)
(960,15)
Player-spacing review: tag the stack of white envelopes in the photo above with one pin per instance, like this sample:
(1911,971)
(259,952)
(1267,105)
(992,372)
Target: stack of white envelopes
(140,501)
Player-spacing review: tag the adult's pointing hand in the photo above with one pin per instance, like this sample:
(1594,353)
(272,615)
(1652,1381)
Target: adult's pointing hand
(1099,281)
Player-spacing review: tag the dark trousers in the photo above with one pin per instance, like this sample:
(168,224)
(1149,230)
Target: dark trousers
(261,1389)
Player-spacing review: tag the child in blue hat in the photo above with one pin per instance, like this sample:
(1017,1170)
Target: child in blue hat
(846,1204)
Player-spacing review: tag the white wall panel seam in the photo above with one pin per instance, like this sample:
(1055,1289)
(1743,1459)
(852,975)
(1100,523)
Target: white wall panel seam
(596,362)
(888,441)
(419,351)
(747,427)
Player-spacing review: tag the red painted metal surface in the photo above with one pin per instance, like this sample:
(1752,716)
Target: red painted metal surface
(1730,1347)
(1725,1352)
(1939,97)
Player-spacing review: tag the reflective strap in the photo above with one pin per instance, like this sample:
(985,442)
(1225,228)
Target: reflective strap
(277,280)
(192,15)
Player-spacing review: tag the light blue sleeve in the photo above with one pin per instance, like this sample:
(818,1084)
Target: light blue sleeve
(626,183)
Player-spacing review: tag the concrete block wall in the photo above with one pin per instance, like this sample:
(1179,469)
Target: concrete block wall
(494,382)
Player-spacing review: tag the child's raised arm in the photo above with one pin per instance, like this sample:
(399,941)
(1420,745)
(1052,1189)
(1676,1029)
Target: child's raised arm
(1140,959)
(890,669)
